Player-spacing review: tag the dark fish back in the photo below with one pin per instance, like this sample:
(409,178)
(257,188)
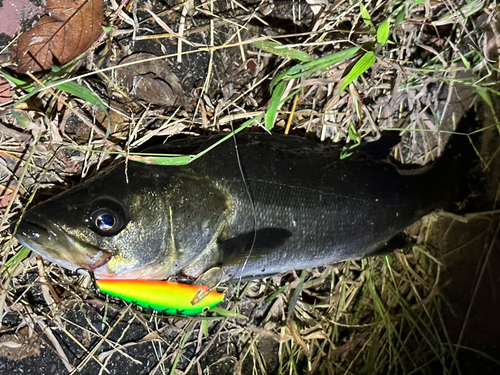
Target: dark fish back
(297,205)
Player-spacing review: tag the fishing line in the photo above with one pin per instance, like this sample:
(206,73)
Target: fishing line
(252,205)
(248,192)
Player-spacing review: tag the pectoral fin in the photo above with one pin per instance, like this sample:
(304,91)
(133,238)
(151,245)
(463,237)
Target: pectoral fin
(211,279)
(252,245)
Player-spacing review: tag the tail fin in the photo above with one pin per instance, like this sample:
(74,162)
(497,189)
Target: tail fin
(454,168)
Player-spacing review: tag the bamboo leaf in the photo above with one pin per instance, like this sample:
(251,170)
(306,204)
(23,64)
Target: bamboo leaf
(400,18)
(334,58)
(282,50)
(84,93)
(415,3)
(383,31)
(310,68)
(366,16)
(22,84)
(71,88)
(364,63)
(324,62)
(466,11)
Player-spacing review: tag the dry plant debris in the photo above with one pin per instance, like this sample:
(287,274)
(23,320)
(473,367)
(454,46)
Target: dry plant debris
(5,87)
(230,61)
(69,30)
(153,82)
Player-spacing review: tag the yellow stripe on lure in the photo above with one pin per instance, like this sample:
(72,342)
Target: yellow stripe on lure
(162,296)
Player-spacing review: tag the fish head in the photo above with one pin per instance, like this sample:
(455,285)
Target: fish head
(106,225)
(139,223)
(55,238)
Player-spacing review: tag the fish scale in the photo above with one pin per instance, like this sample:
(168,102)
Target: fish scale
(354,225)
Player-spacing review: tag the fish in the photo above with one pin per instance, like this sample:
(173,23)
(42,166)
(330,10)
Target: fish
(254,206)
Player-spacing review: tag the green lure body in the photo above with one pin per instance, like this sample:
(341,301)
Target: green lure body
(162,296)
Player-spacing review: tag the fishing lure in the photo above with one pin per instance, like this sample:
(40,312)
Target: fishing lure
(162,296)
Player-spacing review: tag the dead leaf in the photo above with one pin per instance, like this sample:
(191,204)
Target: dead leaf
(151,81)
(319,335)
(348,347)
(19,345)
(277,309)
(292,326)
(71,28)
(5,87)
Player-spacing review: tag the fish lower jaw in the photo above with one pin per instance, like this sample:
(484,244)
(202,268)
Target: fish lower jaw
(98,260)
(55,245)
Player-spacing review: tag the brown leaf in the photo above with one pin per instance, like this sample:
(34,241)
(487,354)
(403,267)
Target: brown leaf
(19,345)
(152,81)
(292,326)
(5,87)
(71,28)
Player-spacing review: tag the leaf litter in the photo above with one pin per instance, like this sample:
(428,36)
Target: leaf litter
(151,81)
(379,315)
(68,30)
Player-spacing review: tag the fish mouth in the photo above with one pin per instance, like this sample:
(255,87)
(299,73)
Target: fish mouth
(52,243)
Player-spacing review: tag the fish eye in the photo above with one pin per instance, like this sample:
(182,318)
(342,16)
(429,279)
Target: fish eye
(106,221)
(107,218)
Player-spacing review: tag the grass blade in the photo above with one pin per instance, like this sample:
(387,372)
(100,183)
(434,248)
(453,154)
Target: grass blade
(84,93)
(366,16)
(364,63)
(282,50)
(177,160)
(227,313)
(383,31)
(173,160)
(274,104)
(14,262)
